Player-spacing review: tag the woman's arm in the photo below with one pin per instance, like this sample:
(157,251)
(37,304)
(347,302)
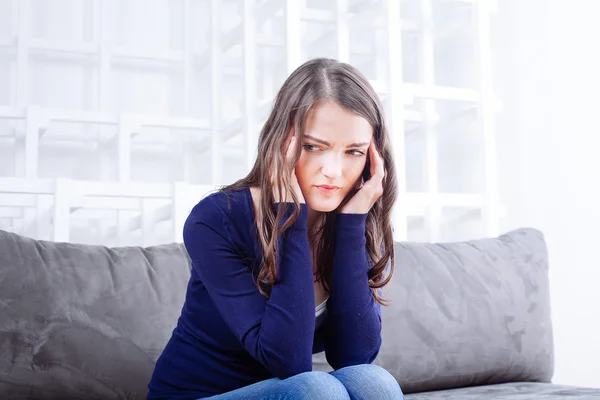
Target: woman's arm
(277,332)
(353,325)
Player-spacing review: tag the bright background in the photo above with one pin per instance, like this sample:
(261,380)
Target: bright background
(116,116)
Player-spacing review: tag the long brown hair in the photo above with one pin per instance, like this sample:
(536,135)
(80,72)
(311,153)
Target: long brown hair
(313,82)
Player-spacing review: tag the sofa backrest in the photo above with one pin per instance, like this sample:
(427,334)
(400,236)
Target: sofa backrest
(90,321)
(80,321)
(469,313)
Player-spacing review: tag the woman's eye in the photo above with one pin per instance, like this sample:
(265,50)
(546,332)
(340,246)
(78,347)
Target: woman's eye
(310,147)
(356,153)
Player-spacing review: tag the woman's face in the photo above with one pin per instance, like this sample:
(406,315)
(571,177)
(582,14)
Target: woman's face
(334,154)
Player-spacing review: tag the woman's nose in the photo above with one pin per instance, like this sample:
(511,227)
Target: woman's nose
(332,167)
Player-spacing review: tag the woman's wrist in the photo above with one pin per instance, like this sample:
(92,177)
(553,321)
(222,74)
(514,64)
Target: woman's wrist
(351,219)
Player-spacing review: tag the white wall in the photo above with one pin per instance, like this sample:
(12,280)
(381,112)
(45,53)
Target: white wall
(549,150)
(112,58)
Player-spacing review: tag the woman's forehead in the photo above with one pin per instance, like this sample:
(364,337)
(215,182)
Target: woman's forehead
(329,121)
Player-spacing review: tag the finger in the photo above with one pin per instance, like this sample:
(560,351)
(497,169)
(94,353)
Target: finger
(291,148)
(373,158)
(377,168)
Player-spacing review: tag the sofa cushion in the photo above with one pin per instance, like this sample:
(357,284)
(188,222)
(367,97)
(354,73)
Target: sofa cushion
(511,391)
(469,313)
(80,321)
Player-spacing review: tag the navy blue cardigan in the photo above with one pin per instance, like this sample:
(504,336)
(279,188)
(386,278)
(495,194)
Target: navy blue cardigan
(229,336)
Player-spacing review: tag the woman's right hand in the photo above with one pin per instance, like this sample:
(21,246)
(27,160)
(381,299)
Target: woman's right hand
(286,196)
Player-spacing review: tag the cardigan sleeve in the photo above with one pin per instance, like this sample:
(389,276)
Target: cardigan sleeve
(277,332)
(353,325)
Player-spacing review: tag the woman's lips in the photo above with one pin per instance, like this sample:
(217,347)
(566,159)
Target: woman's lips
(326,189)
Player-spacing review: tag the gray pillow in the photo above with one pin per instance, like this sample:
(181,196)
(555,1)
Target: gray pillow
(469,313)
(79,321)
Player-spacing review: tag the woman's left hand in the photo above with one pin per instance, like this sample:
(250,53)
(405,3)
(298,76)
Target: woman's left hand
(371,191)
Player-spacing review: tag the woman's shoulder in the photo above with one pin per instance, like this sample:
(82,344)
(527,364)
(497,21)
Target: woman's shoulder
(231,204)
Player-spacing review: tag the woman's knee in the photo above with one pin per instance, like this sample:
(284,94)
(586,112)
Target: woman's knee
(315,385)
(369,381)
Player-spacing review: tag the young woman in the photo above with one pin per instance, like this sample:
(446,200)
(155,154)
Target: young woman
(287,262)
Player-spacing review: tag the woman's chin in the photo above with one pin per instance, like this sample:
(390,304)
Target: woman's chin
(323,205)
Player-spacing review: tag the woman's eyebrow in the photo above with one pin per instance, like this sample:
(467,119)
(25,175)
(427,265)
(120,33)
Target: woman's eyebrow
(323,142)
(363,144)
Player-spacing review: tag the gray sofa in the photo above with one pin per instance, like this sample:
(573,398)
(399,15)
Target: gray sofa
(467,320)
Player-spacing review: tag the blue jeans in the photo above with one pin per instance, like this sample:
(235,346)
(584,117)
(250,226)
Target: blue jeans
(358,382)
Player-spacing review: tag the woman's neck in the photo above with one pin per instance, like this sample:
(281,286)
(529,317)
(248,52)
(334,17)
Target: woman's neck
(313,219)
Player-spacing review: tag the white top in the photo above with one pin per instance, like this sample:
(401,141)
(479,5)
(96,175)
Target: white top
(320,313)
